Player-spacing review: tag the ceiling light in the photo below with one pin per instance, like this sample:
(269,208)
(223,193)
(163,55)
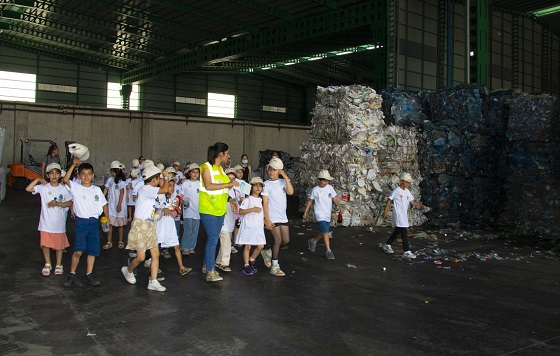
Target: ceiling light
(315,58)
(343,53)
(546,11)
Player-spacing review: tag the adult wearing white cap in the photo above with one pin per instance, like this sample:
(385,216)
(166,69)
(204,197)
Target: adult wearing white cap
(401,198)
(213,197)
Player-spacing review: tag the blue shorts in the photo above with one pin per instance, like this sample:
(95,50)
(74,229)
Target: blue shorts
(324,226)
(87,236)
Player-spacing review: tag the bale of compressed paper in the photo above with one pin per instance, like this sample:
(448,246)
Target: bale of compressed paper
(365,156)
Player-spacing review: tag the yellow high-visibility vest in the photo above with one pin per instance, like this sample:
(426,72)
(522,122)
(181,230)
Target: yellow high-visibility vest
(213,202)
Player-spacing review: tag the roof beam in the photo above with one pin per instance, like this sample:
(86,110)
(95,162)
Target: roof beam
(209,15)
(333,4)
(265,9)
(362,14)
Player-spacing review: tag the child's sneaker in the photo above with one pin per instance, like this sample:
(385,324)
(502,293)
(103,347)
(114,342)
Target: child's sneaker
(276,271)
(223,268)
(70,279)
(329,255)
(154,285)
(247,271)
(253,266)
(148,263)
(213,276)
(386,248)
(204,270)
(311,245)
(233,250)
(409,255)
(134,271)
(267,258)
(128,276)
(90,279)
(165,253)
(185,252)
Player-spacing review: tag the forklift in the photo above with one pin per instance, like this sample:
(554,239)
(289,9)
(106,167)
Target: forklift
(28,169)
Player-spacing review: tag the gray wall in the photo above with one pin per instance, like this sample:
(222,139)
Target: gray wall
(125,135)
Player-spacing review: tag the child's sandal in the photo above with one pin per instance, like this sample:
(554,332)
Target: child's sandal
(121,245)
(184,270)
(108,246)
(46,271)
(58,271)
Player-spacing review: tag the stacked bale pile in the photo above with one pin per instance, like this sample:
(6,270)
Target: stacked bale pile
(365,156)
(462,157)
(532,195)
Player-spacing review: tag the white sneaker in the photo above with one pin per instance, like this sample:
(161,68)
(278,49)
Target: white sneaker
(148,263)
(154,285)
(276,271)
(409,255)
(128,276)
(387,248)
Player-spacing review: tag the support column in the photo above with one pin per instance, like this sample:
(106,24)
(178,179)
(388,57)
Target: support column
(126,90)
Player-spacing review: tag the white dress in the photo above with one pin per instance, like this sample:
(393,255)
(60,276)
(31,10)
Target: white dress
(165,227)
(251,230)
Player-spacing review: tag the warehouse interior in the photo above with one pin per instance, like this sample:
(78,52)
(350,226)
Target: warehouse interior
(463,94)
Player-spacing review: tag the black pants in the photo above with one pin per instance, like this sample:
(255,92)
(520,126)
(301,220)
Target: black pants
(404,237)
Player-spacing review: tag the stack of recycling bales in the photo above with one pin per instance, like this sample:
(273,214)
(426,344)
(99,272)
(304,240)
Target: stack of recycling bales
(532,194)
(462,157)
(365,156)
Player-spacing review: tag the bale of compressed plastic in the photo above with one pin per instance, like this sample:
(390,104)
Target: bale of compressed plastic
(402,108)
(533,117)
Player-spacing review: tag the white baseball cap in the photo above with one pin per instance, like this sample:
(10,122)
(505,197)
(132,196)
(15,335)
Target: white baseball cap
(171,170)
(147,163)
(407,177)
(160,166)
(193,166)
(238,168)
(276,163)
(324,174)
(79,151)
(116,165)
(135,163)
(52,166)
(257,180)
(176,163)
(229,170)
(150,171)
(134,173)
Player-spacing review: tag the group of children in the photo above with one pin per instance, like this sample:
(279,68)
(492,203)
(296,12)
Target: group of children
(153,198)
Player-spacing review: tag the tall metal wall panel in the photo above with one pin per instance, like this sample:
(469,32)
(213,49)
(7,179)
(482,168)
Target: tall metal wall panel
(417,44)
(249,97)
(191,85)
(54,73)
(14,60)
(158,95)
(92,85)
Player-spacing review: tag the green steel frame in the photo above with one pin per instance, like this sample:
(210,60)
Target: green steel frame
(479,41)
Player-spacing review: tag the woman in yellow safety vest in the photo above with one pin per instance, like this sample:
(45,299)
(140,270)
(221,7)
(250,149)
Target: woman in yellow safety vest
(213,197)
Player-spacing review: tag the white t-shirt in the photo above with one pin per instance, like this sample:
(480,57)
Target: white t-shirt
(52,219)
(275,190)
(401,200)
(130,192)
(253,219)
(88,201)
(180,175)
(146,202)
(322,200)
(113,193)
(229,218)
(190,193)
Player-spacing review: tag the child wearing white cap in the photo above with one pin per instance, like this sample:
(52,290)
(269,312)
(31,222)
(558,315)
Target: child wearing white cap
(275,203)
(401,198)
(323,195)
(180,175)
(191,216)
(132,186)
(114,190)
(251,231)
(55,202)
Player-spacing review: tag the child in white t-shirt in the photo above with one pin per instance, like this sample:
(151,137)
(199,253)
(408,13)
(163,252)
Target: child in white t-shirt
(142,236)
(275,203)
(401,198)
(251,231)
(224,254)
(114,190)
(55,202)
(132,185)
(238,196)
(191,216)
(323,196)
(88,204)
(166,230)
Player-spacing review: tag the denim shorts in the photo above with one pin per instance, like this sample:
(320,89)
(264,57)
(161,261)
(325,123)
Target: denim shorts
(87,236)
(324,226)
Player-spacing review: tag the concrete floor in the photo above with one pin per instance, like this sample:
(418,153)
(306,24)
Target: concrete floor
(321,307)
